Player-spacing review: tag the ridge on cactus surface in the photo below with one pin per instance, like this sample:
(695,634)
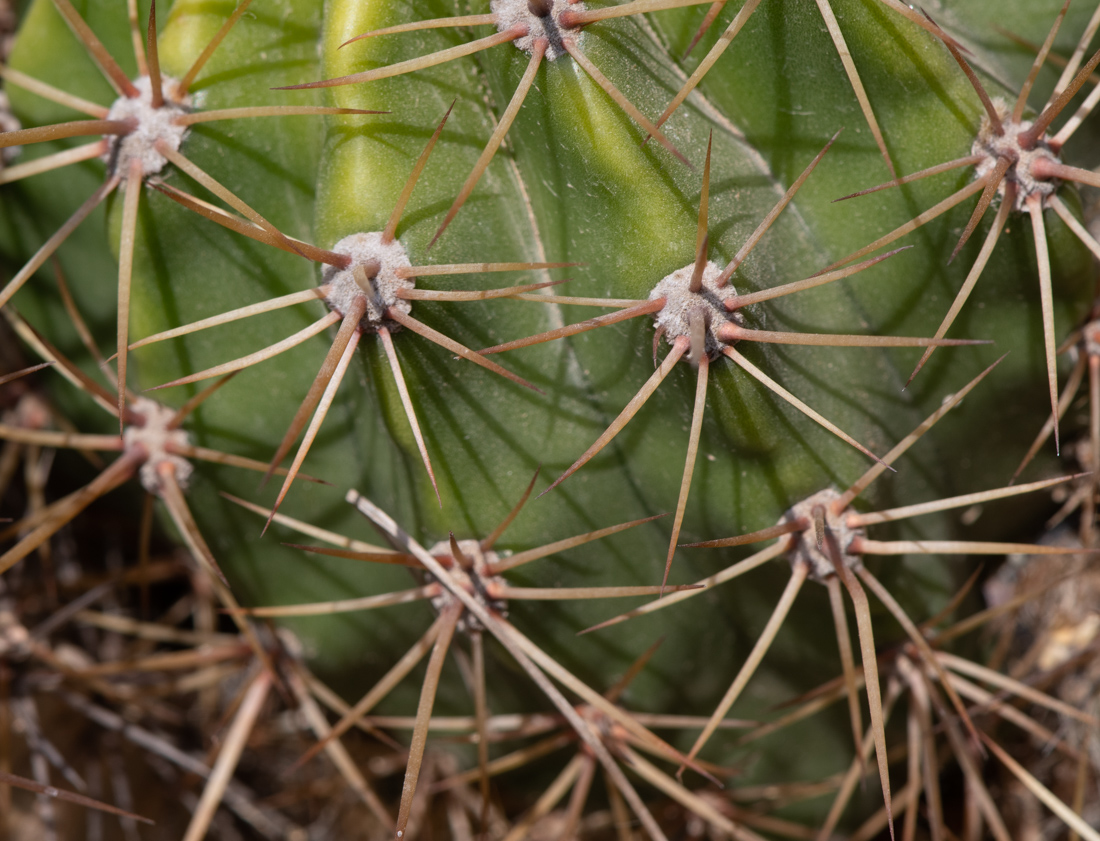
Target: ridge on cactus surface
(243,190)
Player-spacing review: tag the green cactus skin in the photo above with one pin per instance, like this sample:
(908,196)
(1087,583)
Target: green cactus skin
(575,185)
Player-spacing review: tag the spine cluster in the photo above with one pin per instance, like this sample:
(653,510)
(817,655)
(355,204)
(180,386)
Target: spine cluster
(454,252)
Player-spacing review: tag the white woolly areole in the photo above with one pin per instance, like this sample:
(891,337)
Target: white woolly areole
(511,13)
(152,124)
(478,581)
(364,249)
(1008,145)
(153,433)
(802,545)
(680,302)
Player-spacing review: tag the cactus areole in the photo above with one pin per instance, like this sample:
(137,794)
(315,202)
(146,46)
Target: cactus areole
(572,180)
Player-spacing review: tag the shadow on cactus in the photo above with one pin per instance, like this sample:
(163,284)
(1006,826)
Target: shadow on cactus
(573,184)
(143,131)
(369,284)
(476,569)
(1017,160)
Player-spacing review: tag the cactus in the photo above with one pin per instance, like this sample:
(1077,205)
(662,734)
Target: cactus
(540,168)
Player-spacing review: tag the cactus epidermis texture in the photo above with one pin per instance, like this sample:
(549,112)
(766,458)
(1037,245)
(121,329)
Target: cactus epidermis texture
(573,183)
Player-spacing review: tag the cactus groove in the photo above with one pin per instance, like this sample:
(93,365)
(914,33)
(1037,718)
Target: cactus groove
(356,197)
